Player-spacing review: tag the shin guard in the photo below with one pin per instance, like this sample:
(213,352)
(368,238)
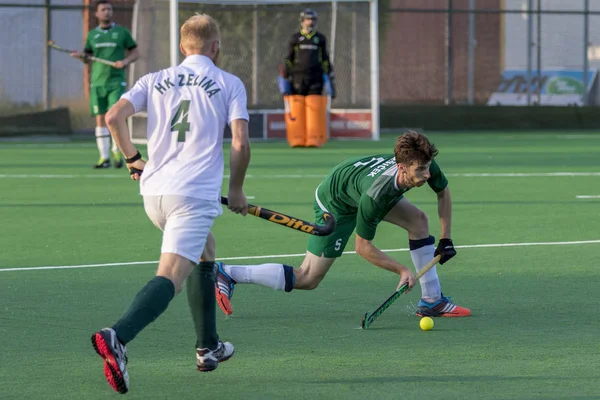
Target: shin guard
(316,120)
(295,120)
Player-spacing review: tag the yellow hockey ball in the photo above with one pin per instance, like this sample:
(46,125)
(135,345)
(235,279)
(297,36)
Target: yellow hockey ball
(426,323)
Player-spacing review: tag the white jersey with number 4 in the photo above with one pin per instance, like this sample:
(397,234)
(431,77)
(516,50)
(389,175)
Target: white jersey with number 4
(188,107)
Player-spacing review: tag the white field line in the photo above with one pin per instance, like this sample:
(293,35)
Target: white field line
(587,196)
(468,246)
(310,176)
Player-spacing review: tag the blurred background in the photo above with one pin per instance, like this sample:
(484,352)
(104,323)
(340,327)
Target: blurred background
(443,64)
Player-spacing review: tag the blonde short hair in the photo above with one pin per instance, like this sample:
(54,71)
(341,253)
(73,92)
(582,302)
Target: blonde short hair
(199,32)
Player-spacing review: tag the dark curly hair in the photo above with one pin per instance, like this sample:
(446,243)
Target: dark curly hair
(413,147)
(101,2)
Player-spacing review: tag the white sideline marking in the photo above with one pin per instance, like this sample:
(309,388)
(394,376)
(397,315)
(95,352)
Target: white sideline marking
(309,176)
(586,196)
(57,176)
(467,246)
(523,174)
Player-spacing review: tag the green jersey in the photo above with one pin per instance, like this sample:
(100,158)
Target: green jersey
(109,44)
(368,188)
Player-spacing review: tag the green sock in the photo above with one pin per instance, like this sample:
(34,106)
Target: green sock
(147,305)
(203,305)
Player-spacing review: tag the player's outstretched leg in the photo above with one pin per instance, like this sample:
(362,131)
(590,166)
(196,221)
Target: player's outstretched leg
(208,360)
(275,276)
(114,354)
(444,307)
(224,286)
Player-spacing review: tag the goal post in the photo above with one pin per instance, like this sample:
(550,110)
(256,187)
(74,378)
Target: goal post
(254,38)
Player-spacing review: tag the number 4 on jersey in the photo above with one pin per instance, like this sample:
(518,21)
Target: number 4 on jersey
(180,123)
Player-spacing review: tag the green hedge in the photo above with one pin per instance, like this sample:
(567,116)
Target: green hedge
(51,122)
(489,117)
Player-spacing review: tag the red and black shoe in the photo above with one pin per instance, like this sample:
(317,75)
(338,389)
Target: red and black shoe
(444,307)
(114,354)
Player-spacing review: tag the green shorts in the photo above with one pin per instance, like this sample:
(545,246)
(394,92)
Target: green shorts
(102,98)
(331,246)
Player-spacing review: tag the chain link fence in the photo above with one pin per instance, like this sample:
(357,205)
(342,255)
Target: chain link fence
(33,77)
(431,51)
(254,40)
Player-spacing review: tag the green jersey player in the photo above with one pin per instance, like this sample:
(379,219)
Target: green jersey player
(110,42)
(361,193)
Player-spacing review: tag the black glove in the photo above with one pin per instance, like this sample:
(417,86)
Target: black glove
(445,247)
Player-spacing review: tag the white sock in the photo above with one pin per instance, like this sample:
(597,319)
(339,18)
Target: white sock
(103,142)
(269,275)
(430,283)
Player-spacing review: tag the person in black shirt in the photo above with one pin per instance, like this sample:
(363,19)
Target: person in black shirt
(305,73)
(307,63)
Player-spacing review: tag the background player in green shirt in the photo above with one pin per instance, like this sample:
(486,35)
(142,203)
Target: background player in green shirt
(361,193)
(110,42)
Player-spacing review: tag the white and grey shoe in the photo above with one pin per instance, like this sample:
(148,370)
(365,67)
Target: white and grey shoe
(114,354)
(208,360)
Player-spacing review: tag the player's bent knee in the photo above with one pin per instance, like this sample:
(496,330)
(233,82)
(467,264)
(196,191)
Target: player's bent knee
(109,119)
(419,224)
(176,268)
(313,283)
(422,219)
(210,249)
(306,281)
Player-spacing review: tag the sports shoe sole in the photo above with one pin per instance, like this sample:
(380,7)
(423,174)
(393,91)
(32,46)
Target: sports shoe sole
(212,367)
(447,315)
(111,367)
(223,302)
(102,166)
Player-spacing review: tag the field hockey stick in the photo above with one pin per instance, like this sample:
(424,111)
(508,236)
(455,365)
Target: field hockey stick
(370,317)
(288,112)
(283,83)
(92,58)
(291,222)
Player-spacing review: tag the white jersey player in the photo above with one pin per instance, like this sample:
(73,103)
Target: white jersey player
(188,107)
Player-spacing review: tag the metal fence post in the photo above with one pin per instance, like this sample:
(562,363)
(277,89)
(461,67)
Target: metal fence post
(255,60)
(529,49)
(353,56)
(46,67)
(539,52)
(449,55)
(471,64)
(586,40)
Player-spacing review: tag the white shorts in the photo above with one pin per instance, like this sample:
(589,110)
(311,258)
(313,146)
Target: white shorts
(185,222)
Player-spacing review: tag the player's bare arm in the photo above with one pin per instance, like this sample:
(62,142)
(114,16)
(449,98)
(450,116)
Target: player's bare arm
(445,212)
(116,120)
(367,250)
(238,164)
(132,56)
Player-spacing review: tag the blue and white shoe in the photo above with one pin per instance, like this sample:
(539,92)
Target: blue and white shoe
(444,307)
(224,286)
